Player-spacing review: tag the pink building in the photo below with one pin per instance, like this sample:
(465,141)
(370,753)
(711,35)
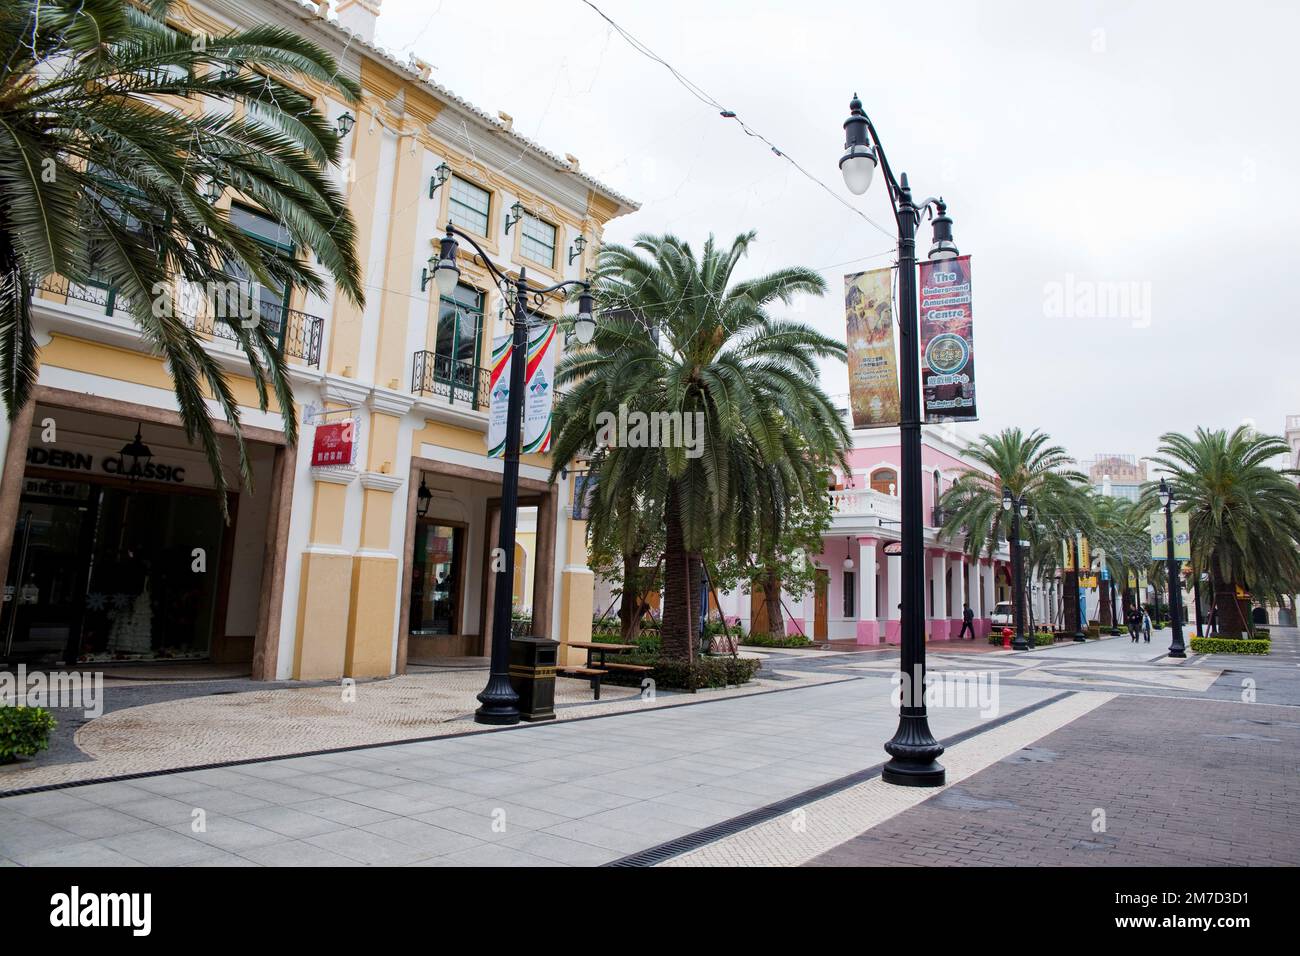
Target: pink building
(859,588)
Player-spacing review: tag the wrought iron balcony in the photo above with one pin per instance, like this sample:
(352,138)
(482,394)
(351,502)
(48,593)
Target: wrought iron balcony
(444,376)
(297,333)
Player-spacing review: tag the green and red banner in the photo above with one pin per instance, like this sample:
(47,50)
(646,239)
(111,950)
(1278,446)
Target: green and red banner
(947,341)
(539,374)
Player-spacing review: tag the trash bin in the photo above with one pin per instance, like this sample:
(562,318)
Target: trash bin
(532,675)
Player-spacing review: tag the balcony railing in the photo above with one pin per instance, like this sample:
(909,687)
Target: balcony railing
(297,333)
(443,376)
(865,502)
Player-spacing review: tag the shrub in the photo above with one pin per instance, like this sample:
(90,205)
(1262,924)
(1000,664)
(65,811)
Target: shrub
(1261,632)
(674,674)
(24,732)
(1228,645)
(1044,637)
(760,639)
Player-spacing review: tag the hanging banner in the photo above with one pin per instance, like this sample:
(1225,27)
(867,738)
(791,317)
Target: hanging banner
(1156,528)
(1067,555)
(873,376)
(1085,557)
(1182,536)
(947,341)
(539,391)
(499,396)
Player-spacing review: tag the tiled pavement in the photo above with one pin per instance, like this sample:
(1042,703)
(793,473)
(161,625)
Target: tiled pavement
(575,793)
(1180,782)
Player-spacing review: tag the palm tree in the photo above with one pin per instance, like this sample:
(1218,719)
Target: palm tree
(108,174)
(680,338)
(1118,527)
(1244,514)
(1035,472)
(1031,469)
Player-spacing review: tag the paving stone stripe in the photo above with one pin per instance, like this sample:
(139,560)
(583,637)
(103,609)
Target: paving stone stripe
(813,828)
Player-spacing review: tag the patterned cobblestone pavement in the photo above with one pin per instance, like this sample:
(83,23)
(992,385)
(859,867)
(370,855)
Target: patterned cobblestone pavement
(1174,782)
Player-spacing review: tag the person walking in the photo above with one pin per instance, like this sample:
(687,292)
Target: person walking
(967,623)
(1134,623)
(1146,626)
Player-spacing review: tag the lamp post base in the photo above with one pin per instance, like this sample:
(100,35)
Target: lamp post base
(1019,644)
(915,753)
(1080,637)
(1177,652)
(500,702)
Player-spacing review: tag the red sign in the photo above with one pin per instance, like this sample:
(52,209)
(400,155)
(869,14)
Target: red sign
(334,444)
(947,346)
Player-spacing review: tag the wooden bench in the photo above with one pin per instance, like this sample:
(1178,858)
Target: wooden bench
(611,665)
(593,674)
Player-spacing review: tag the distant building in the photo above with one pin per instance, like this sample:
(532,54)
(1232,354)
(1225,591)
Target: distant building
(1117,476)
(1293,438)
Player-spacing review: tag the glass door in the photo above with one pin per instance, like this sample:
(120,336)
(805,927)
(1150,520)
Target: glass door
(437,569)
(46,582)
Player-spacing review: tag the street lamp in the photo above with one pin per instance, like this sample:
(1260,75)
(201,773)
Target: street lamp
(1176,649)
(913,749)
(1019,508)
(500,703)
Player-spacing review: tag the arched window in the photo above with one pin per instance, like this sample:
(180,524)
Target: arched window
(884,480)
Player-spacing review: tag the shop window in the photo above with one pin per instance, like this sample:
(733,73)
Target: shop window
(437,570)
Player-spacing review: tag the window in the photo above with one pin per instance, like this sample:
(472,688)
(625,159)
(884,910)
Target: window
(460,327)
(849,580)
(884,480)
(468,206)
(273,300)
(537,241)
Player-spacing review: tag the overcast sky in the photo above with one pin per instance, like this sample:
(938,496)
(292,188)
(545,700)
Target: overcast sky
(1139,145)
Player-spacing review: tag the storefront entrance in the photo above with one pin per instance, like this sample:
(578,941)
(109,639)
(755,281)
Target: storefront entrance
(111,571)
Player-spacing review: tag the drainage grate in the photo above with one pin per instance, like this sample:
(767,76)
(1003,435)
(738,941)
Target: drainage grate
(693,841)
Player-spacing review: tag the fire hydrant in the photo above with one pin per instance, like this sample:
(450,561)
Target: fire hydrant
(1006,637)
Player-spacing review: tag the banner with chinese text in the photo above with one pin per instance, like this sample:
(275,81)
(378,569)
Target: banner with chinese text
(947,341)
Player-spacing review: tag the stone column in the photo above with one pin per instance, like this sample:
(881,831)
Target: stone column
(958,595)
(894,584)
(868,629)
(988,599)
(939,614)
(973,593)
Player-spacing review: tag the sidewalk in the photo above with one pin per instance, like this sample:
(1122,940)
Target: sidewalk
(571,792)
(1174,782)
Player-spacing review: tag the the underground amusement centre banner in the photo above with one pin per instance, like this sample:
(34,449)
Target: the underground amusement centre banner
(947,341)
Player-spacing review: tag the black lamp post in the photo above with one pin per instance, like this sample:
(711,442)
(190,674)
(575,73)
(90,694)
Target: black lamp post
(1019,509)
(913,749)
(1176,649)
(500,703)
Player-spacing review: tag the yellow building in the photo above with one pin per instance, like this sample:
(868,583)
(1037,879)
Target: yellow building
(338,569)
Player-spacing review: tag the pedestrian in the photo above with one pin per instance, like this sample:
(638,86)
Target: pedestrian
(967,624)
(1146,625)
(1134,623)
(1214,619)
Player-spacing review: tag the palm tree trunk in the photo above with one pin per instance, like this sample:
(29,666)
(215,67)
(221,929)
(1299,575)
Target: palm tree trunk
(772,598)
(630,605)
(1229,608)
(676,630)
